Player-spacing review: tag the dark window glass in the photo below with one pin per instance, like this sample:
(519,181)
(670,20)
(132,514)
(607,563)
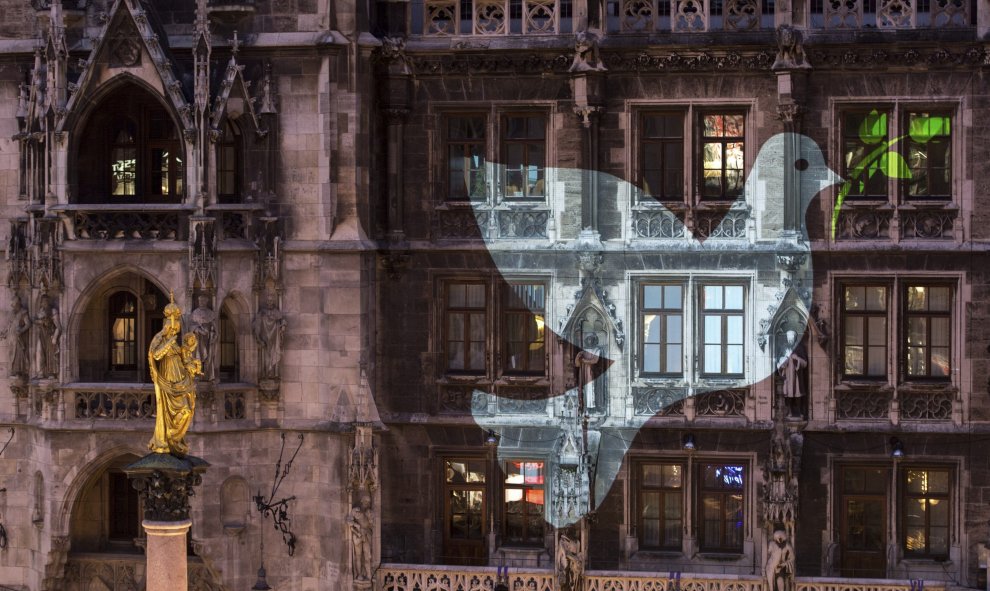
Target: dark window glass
(465,152)
(662,156)
(928,332)
(524,156)
(660,508)
(524,349)
(722,511)
(864,331)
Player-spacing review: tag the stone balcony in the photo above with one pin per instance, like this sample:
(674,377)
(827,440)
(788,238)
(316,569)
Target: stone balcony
(410,577)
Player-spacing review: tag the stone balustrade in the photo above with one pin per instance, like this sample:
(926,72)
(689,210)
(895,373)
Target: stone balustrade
(422,577)
(123,572)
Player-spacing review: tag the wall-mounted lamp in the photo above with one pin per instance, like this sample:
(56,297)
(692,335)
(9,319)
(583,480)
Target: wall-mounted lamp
(897,448)
(688,442)
(262,584)
(491,438)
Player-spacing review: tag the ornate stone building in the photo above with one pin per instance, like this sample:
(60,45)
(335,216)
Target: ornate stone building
(629,295)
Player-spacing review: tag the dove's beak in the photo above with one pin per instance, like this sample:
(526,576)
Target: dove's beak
(831,178)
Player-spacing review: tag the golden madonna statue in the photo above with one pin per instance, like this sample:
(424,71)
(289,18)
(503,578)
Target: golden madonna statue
(174,367)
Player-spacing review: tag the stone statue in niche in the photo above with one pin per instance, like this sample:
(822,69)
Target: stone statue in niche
(569,562)
(792,369)
(790,49)
(204,326)
(779,568)
(361,526)
(47,333)
(20,327)
(269,328)
(586,363)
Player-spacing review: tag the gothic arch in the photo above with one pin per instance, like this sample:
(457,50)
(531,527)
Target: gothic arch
(94,463)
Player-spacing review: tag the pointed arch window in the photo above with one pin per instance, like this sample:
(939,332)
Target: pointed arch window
(130,151)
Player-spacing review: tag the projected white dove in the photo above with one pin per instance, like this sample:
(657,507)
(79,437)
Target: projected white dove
(756,261)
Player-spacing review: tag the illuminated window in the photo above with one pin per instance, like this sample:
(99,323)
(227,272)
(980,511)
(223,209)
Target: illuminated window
(928,331)
(722,510)
(524,155)
(660,508)
(465,509)
(925,512)
(722,155)
(131,152)
(522,494)
(864,331)
(524,329)
(465,139)
(123,332)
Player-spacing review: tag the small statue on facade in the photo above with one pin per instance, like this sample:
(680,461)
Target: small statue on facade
(361,526)
(20,326)
(570,564)
(792,368)
(790,50)
(47,333)
(204,326)
(586,54)
(780,567)
(173,366)
(585,362)
(269,327)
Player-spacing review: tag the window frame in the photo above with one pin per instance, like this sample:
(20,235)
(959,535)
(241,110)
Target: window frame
(641,489)
(701,491)
(538,538)
(466,312)
(663,141)
(232,165)
(505,311)
(446,142)
(864,314)
(723,313)
(701,140)
(906,315)
(127,345)
(662,313)
(503,146)
(449,487)
(904,498)
(898,115)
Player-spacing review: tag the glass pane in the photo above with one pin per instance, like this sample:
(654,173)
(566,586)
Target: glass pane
(855,298)
(734,330)
(651,505)
(734,156)
(939,299)
(455,296)
(876,298)
(652,475)
(712,153)
(455,355)
(651,358)
(673,359)
(123,171)
(853,359)
(455,327)
(713,329)
(734,359)
(713,360)
(673,334)
(652,296)
(853,330)
(672,476)
(475,296)
(877,326)
(734,125)
(734,297)
(651,328)
(878,361)
(713,297)
(672,297)
(917,298)
(917,333)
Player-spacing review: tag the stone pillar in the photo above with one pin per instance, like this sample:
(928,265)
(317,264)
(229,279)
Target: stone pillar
(166,551)
(165,483)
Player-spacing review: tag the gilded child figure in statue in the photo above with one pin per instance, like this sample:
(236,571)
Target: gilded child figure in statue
(174,367)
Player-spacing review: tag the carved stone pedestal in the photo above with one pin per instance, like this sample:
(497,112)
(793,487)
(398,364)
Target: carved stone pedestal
(165,483)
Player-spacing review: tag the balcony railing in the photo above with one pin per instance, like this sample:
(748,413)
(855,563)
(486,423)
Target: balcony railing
(125,222)
(410,577)
(554,17)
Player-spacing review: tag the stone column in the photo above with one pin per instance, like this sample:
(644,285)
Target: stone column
(165,483)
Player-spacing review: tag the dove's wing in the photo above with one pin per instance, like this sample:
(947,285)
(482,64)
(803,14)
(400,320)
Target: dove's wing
(765,223)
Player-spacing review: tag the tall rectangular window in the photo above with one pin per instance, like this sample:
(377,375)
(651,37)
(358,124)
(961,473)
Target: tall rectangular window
(721,495)
(864,331)
(123,331)
(524,502)
(465,331)
(925,512)
(524,155)
(662,319)
(662,156)
(929,155)
(660,506)
(722,155)
(722,325)
(465,141)
(524,344)
(928,331)
(864,139)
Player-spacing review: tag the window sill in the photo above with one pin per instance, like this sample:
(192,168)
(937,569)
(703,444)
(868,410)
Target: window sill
(142,207)
(880,385)
(721,556)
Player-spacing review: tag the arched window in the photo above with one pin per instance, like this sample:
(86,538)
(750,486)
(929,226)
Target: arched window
(229,164)
(106,516)
(130,152)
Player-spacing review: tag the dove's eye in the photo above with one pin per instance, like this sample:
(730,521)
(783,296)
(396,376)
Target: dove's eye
(801,164)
